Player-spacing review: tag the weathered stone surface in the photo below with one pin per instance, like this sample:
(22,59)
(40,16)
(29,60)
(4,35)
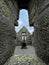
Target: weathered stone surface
(7,43)
(7,32)
(42,35)
(41,25)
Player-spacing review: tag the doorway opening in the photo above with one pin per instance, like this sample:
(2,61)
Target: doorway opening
(24,37)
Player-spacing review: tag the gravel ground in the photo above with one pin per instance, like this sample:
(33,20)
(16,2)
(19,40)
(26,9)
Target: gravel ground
(24,60)
(24,57)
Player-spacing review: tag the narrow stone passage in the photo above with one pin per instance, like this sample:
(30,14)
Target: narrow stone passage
(24,57)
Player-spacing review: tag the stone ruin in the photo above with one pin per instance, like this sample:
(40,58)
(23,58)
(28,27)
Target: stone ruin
(39,17)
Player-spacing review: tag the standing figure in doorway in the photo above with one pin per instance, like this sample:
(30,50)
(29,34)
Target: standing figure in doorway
(24,46)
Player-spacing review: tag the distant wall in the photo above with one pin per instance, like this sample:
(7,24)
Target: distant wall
(19,36)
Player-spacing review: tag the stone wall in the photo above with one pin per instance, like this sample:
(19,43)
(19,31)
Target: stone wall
(19,36)
(41,25)
(38,14)
(8,14)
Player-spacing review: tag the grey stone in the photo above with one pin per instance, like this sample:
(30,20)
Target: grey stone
(41,25)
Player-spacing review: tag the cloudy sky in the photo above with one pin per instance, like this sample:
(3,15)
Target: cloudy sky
(23,21)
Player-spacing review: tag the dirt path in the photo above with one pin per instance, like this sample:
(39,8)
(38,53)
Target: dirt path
(29,51)
(24,57)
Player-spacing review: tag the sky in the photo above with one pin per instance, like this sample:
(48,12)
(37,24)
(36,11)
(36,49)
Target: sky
(24,21)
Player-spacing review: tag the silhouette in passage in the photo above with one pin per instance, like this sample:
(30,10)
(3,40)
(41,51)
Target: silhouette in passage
(24,45)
